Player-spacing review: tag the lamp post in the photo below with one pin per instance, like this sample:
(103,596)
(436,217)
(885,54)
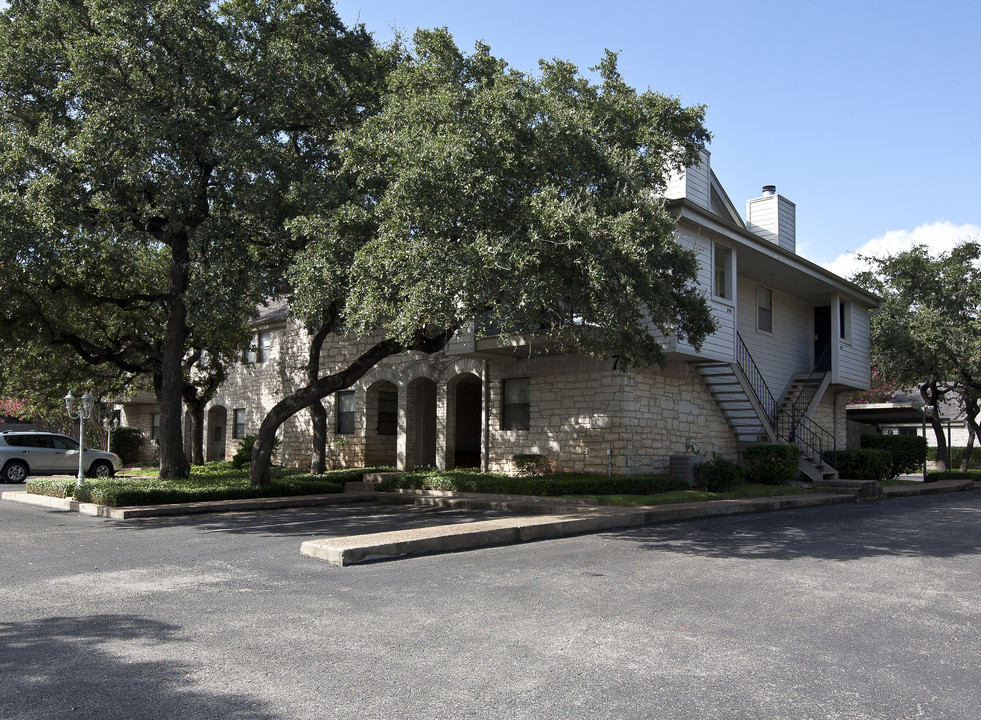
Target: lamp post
(84,412)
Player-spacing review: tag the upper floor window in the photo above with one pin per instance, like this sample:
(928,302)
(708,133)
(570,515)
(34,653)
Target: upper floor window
(844,320)
(260,347)
(723,273)
(764,309)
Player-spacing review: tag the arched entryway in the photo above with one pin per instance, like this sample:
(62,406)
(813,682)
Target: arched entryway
(465,399)
(215,437)
(421,425)
(381,424)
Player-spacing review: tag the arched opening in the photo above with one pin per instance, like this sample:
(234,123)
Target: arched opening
(421,426)
(215,440)
(467,402)
(381,424)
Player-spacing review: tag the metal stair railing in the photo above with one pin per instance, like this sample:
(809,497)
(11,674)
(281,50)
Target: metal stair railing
(755,378)
(792,425)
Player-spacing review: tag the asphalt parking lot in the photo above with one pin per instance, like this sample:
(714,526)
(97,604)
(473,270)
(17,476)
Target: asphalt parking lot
(852,611)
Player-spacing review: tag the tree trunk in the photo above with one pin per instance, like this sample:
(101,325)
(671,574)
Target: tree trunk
(972,413)
(318,453)
(932,396)
(306,396)
(197,433)
(318,413)
(173,462)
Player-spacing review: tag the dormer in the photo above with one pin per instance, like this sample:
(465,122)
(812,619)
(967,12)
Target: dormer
(774,218)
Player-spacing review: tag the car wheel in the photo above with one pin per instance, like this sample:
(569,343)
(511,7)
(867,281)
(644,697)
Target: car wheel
(102,469)
(15,472)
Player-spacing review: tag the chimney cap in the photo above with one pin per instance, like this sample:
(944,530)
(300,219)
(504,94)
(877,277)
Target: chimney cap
(769,189)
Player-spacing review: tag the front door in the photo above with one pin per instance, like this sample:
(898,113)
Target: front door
(822,338)
(217,449)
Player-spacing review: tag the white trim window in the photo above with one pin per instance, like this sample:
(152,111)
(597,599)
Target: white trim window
(722,272)
(345,412)
(764,309)
(516,409)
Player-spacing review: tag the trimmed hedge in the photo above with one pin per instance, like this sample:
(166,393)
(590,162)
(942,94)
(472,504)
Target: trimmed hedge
(719,474)
(860,464)
(557,484)
(957,454)
(771,464)
(126,443)
(906,452)
(214,481)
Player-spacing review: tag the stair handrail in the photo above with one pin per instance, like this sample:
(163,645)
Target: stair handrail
(809,436)
(755,378)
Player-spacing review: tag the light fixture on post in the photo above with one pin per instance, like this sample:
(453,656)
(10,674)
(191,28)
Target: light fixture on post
(82,414)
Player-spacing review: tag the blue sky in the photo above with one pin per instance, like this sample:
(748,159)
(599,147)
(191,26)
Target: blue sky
(865,114)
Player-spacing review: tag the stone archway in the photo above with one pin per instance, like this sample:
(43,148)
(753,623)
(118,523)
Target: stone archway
(420,427)
(216,434)
(381,424)
(464,424)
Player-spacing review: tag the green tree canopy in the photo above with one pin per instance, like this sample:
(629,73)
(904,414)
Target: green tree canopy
(928,332)
(152,156)
(492,197)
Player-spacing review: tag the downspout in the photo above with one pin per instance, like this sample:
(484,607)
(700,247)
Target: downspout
(485,413)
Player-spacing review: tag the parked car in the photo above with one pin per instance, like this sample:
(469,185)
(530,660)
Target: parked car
(42,453)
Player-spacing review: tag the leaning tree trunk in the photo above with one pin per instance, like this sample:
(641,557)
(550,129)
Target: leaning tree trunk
(306,396)
(972,412)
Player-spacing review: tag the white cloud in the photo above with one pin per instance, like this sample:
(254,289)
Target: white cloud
(940,236)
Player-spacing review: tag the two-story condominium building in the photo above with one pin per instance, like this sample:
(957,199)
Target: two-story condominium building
(792,343)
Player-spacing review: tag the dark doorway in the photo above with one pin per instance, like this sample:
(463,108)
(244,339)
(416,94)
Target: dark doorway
(424,427)
(466,450)
(822,338)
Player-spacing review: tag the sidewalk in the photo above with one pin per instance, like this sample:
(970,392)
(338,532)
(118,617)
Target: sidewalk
(544,517)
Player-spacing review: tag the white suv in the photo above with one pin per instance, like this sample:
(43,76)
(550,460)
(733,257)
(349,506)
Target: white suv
(41,453)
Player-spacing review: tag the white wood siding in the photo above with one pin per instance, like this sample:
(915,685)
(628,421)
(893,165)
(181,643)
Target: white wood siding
(788,349)
(692,183)
(852,368)
(773,218)
(721,344)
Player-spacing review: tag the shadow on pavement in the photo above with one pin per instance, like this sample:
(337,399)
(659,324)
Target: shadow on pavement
(320,521)
(939,526)
(102,666)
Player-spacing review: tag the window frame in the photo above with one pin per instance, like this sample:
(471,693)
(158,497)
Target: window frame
(722,261)
(844,321)
(516,416)
(344,412)
(760,310)
(238,423)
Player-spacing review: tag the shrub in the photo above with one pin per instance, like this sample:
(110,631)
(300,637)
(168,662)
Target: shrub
(906,452)
(126,442)
(558,484)
(957,454)
(860,464)
(243,456)
(771,464)
(719,474)
(531,464)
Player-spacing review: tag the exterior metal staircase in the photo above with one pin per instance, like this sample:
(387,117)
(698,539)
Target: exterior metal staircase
(756,416)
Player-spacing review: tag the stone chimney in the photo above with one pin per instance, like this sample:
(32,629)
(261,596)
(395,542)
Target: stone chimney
(773,218)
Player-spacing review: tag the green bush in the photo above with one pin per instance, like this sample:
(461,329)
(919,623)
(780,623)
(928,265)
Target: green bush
(906,452)
(719,474)
(558,484)
(957,454)
(126,443)
(530,464)
(771,464)
(243,456)
(860,464)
